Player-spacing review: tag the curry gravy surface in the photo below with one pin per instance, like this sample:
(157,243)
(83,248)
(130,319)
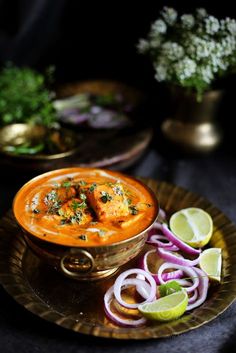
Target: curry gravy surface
(84,207)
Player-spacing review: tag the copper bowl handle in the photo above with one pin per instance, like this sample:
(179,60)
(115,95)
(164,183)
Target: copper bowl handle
(76,262)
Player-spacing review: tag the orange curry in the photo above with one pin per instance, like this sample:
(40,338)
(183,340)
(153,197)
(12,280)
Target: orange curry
(84,207)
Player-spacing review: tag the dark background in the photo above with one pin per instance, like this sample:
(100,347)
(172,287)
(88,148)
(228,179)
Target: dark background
(97,39)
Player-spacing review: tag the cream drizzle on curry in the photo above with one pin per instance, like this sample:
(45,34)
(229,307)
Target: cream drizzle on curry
(84,207)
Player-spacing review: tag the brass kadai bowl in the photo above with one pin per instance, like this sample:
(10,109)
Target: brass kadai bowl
(84,262)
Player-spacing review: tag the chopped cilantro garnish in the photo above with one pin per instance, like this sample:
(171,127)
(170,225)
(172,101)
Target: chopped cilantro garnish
(51,196)
(118,190)
(82,183)
(66,184)
(101,233)
(169,288)
(133,210)
(105,197)
(92,187)
(109,184)
(75,205)
(52,201)
(82,196)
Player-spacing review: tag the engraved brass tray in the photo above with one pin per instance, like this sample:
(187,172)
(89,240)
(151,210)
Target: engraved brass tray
(78,306)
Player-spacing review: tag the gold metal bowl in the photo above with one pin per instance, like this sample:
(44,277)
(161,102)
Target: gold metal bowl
(66,141)
(84,262)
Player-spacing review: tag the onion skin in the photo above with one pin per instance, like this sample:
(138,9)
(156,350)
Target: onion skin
(179,243)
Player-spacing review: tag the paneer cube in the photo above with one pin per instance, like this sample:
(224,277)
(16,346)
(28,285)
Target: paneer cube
(74,212)
(108,201)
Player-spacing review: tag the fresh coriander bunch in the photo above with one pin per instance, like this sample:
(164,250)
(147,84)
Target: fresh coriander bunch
(24,96)
(192,50)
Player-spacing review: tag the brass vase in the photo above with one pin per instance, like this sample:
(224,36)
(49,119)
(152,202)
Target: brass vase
(193,126)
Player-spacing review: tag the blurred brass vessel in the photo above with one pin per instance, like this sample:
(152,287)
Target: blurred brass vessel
(193,127)
(18,134)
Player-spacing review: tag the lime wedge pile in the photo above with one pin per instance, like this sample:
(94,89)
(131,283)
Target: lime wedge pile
(193,226)
(210,262)
(167,308)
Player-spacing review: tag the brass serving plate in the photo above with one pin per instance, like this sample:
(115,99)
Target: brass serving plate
(78,306)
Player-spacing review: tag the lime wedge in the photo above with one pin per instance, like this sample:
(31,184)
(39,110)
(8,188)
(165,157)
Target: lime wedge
(210,262)
(166,308)
(193,226)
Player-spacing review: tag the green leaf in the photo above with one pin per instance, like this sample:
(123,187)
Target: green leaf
(169,288)
(35,105)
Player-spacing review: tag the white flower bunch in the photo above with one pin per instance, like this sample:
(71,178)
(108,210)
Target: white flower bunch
(191,50)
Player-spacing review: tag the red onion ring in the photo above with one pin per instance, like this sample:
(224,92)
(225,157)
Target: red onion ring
(120,282)
(193,298)
(142,287)
(202,289)
(184,283)
(165,276)
(155,239)
(170,257)
(188,270)
(162,215)
(115,318)
(142,290)
(179,243)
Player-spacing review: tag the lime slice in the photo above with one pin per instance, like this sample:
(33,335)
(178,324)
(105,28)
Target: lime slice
(210,262)
(193,226)
(167,308)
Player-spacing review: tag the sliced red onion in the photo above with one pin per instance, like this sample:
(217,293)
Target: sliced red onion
(162,215)
(119,283)
(176,241)
(193,298)
(171,257)
(115,318)
(156,241)
(165,276)
(184,283)
(142,287)
(202,289)
(188,270)
(156,229)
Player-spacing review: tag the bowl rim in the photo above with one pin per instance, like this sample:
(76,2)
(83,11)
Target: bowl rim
(124,241)
(39,156)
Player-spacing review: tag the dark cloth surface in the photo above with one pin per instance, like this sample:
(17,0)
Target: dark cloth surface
(214,177)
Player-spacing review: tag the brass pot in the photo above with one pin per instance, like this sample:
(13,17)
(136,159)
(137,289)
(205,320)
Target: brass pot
(84,262)
(193,126)
(87,263)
